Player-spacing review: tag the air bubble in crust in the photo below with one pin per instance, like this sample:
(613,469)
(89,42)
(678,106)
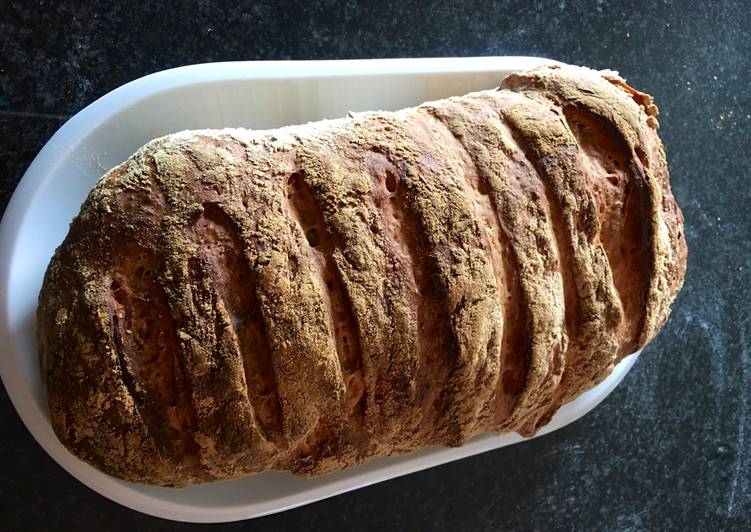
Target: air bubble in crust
(391,182)
(313,237)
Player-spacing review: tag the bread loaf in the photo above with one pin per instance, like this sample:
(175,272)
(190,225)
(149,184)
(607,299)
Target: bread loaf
(307,298)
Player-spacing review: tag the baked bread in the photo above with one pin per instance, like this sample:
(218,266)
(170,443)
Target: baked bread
(307,298)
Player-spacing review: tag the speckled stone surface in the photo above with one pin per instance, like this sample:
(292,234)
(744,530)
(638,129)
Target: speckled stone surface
(669,450)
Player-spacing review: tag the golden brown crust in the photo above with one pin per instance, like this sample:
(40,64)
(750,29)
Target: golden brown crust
(307,298)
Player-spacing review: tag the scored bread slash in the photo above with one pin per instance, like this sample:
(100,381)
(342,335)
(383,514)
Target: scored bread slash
(308,298)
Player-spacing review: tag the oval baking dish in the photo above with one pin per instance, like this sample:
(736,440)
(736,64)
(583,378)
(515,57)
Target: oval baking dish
(257,95)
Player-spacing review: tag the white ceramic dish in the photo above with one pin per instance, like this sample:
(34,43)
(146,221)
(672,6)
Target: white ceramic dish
(247,94)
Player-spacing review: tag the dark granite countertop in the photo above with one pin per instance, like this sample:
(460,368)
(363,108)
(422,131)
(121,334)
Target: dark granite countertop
(669,450)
